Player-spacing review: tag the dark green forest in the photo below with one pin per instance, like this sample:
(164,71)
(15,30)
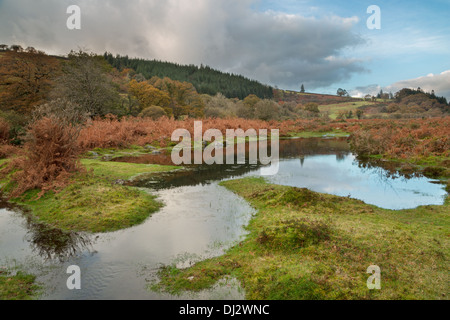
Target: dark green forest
(205,79)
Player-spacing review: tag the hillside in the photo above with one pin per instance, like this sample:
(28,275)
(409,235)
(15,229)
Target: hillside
(408,103)
(304,98)
(205,79)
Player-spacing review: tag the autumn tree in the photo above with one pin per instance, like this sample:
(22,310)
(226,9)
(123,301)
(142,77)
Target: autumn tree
(153,112)
(312,107)
(247,109)
(147,95)
(267,110)
(85,82)
(26,79)
(184,98)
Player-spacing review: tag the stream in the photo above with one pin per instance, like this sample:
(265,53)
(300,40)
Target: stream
(200,219)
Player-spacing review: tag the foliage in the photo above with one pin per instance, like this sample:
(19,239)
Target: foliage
(341,92)
(205,79)
(26,78)
(312,107)
(403,139)
(120,133)
(184,99)
(147,95)
(153,112)
(65,111)
(267,110)
(49,158)
(85,81)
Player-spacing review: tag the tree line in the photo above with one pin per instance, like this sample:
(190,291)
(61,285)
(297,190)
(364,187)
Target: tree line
(205,79)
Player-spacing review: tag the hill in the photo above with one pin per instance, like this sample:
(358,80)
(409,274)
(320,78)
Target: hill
(304,98)
(205,79)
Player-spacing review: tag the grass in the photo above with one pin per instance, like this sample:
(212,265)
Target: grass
(94,202)
(117,153)
(306,245)
(122,170)
(434,167)
(21,286)
(318,134)
(334,109)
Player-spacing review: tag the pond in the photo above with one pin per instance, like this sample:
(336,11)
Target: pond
(200,219)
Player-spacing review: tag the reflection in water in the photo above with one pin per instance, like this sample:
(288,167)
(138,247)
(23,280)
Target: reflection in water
(203,174)
(322,165)
(200,218)
(55,244)
(387,169)
(48,242)
(348,177)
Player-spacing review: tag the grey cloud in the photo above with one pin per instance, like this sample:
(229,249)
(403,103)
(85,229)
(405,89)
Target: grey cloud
(275,48)
(440,83)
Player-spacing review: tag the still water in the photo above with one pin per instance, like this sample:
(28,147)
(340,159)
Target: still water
(200,219)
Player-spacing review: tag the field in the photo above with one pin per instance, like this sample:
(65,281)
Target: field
(333,110)
(304,245)
(304,98)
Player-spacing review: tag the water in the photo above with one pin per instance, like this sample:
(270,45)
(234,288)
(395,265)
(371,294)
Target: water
(200,219)
(340,176)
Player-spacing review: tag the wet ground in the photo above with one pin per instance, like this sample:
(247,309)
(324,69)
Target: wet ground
(200,219)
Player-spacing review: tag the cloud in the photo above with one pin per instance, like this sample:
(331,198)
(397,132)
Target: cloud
(440,83)
(272,47)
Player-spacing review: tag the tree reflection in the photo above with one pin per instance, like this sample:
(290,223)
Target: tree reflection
(55,244)
(388,169)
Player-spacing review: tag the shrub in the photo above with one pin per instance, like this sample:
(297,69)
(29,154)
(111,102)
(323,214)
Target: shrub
(153,112)
(4,131)
(49,157)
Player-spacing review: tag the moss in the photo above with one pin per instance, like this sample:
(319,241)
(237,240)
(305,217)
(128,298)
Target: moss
(322,251)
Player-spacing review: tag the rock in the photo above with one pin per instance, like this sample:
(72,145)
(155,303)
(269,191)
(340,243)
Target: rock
(107,157)
(93,154)
(119,182)
(149,147)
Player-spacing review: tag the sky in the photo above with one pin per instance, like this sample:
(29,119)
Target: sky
(323,44)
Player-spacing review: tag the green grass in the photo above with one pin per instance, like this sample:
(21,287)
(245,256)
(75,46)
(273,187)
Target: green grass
(116,153)
(334,109)
(17,287)
(92,205)
(93,202)
(306,245)
(122,170)
(318,134)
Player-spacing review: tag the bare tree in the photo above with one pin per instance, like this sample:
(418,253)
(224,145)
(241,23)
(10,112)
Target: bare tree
(85,82)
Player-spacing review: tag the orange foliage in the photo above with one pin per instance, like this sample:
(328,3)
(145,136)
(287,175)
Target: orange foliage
(403,138)
(147,95)
(49,158)
(26,79)
(112,132)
